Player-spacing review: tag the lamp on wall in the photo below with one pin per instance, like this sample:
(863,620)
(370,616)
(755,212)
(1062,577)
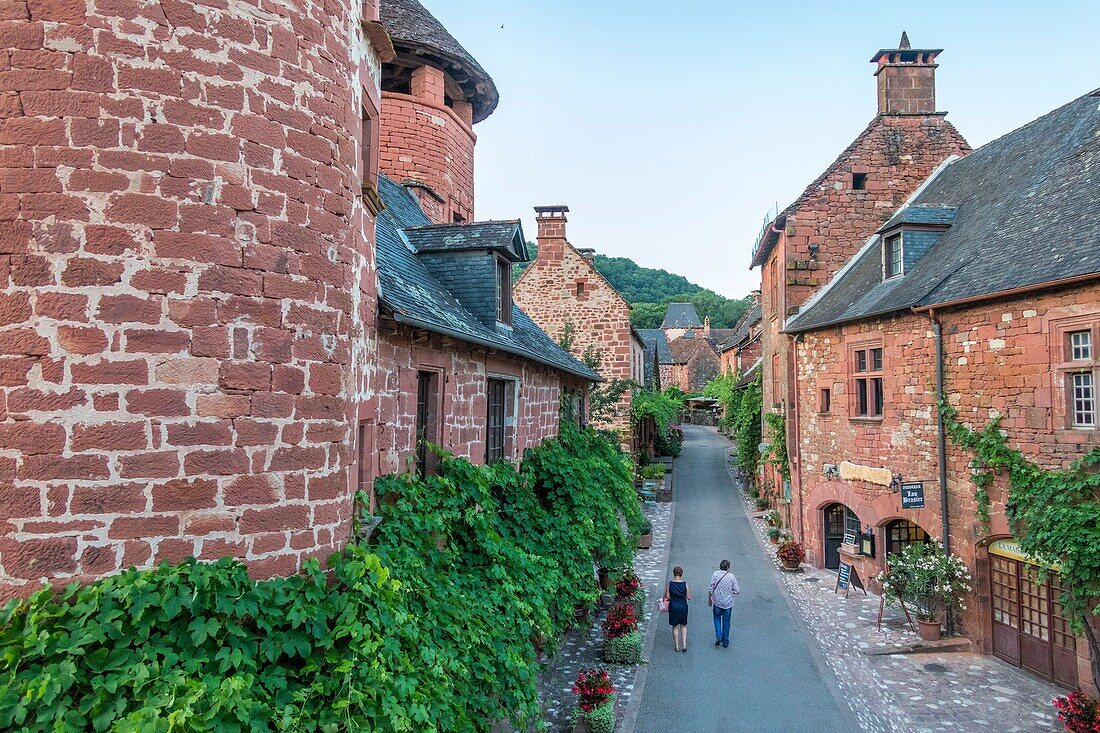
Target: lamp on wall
(831,470)
(895,483)
(813,251)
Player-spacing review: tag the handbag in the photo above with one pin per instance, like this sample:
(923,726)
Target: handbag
(662,605)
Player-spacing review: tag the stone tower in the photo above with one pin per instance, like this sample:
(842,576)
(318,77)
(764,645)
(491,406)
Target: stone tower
(433,92)
(185,263)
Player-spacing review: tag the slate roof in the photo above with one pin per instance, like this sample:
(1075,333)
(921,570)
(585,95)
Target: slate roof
(408,289)
(1028,214)
(744,327)
(505,236)
(681,315)
(655,342)
(921,214)
(413,29)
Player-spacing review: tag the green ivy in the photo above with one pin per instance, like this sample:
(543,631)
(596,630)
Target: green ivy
(664,407)
(777,440)
(1055,514)
(724,389)
(428,630)
(747,427)
(624,649)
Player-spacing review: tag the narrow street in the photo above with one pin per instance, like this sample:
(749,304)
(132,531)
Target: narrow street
(770,678)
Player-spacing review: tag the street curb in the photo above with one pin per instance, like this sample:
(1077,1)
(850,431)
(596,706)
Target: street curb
(630,715)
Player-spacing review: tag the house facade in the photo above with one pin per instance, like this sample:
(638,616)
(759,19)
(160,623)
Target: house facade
(188,273)
(203,352)
(741,350)
(807,243)
(958,275)
(566,296)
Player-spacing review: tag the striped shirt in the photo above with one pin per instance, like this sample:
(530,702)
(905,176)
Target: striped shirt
(723,587)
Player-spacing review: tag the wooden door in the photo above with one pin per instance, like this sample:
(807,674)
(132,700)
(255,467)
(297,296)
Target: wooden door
(834,534)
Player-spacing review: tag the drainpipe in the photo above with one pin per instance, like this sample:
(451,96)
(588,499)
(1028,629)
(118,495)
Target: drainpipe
(941,443)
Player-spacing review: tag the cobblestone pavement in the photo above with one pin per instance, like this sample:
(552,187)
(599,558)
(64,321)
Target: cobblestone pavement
(582,647)
(916,693)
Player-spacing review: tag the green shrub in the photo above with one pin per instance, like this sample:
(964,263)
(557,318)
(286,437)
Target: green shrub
(602,719)
(402,636)
(624,649)
(653,471)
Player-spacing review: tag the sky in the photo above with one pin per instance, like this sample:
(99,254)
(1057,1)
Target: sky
(672,129)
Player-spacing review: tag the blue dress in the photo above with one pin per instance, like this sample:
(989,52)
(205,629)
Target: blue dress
(677,603)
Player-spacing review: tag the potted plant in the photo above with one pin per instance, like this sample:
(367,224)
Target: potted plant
(774,518)
(595,712)
(928,580)
(603,574)
(791,554)
(645,534)
(629,590)
(1078,712)
(761,503)
(773,535)
(622,641)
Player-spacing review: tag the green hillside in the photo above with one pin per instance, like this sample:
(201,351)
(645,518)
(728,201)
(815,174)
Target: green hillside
(650,290)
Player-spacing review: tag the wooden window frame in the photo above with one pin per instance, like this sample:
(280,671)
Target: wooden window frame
(773,285)
(429,409)
(888,259)
(507,431)
(825,401)
(1066,367)
(504,291)
(864,403)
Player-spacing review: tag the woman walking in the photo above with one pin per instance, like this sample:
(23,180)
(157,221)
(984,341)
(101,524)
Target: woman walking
(678,594)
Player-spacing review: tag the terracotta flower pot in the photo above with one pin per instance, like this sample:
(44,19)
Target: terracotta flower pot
(790,565)
(928,630)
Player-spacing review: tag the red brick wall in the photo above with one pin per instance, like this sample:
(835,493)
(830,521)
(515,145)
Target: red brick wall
(464,406)
(547,292)
(998,360)
(428,142)
(180,245)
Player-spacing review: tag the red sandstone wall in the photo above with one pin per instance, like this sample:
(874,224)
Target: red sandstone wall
(998,358)
(547,292)
(431,144)
(464,402)
(183,266)
(897,154)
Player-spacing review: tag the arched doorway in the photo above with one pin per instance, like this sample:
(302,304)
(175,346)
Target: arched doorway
(837,519)
(900,533)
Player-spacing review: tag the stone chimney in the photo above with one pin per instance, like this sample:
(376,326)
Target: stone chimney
(706,327)
(756,296)
(551,237)
(906,79)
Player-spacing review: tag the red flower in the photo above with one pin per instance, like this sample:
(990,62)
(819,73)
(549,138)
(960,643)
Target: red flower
(1079,712)
(620,621)
(628,585)
(594,687)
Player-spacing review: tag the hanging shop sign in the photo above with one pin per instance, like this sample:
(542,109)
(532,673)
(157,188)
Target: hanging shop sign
(880,476)
(912,495)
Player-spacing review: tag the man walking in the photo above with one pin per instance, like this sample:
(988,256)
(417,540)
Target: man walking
(723,587)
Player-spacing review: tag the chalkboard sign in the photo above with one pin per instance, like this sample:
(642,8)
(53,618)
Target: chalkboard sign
(912,495)
(846,575)
(850,537)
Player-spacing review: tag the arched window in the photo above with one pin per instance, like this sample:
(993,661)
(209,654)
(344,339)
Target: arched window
(902,532)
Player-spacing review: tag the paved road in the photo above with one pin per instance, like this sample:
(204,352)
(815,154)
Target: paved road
(769,679)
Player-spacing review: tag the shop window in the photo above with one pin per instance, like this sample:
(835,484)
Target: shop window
(901,533)
(427,420)
(867,382)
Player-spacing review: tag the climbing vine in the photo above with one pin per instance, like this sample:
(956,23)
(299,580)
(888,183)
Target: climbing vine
(1055,514)
(777,440)
(747,426)
(603,400)
(427,629)
(664,407)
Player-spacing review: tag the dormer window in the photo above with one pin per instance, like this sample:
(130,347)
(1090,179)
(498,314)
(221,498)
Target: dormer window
(892,255)
(504,292)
